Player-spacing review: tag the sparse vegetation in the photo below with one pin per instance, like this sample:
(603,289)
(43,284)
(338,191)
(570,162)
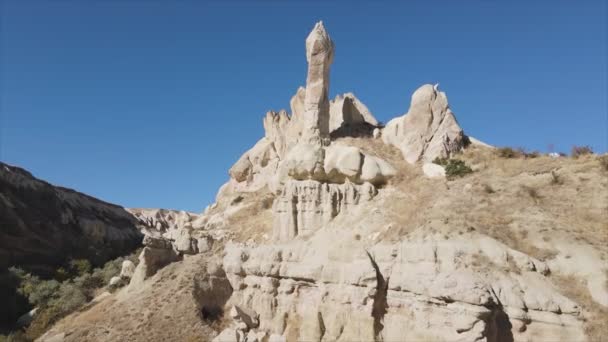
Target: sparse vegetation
(520,152)
(73,287)
(508,152)
(578,151)
(453,167)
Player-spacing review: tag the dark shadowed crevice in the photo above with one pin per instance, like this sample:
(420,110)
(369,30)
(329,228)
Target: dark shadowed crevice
(498,327)
(380,306)
(321,325)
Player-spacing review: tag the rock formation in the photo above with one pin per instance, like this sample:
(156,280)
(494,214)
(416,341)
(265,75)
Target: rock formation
(350,117)
(325,233)
(320,55)
(313,177)
(327,294)
(304,206)
(428,130)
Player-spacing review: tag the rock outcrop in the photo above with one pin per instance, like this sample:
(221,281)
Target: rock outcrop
(307,291)
(428,130)
(349,117)
(157,253)
(305,206)
(314,178)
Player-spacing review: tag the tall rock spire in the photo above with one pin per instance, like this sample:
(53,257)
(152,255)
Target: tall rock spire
(319,55)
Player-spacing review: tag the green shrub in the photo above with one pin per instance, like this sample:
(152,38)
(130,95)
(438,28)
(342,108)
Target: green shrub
(453,167)
(578,151)
(43,292)
(68,298)
(533,154)
(16,336)
(80,267)
(441,161)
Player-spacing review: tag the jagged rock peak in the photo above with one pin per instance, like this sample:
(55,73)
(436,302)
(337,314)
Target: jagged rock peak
(318,41)
(428,130)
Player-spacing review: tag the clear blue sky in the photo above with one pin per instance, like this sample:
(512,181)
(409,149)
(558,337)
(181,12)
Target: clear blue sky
(148,103)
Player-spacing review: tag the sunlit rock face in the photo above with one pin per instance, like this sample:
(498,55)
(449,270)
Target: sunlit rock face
(320,55)
(428,130)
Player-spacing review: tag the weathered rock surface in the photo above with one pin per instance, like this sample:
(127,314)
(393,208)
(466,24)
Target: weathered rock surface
(319,55)
(157,254)
(328,294)
(304,206)
(428,130)
(433,170)
(350,117)
(127,269)
(162,221)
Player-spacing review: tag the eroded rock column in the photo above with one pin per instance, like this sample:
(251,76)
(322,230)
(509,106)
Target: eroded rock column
(319,55)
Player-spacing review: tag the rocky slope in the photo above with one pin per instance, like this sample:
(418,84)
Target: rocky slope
(334,228)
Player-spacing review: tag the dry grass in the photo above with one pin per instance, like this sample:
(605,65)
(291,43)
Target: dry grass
(596,315)
(254,219)
(521,198)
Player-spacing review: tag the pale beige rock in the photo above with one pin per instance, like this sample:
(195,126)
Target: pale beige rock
(127,269)
(428,130)
(304,206)
(432,293)
(114,281)
(227,335)
(350,117)
(185,243)
(376,133)
(433,170)
(151,260)
(319,55)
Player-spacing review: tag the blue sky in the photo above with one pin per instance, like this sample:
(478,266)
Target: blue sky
(148,103)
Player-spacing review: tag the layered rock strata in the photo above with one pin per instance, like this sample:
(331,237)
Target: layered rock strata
(424,288)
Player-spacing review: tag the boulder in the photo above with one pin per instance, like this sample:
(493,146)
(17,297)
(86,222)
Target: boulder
(157,242)
(433,170)
(127,269)
(227,335)
(185,243)
(150,261)
(204,243)
(115,281)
